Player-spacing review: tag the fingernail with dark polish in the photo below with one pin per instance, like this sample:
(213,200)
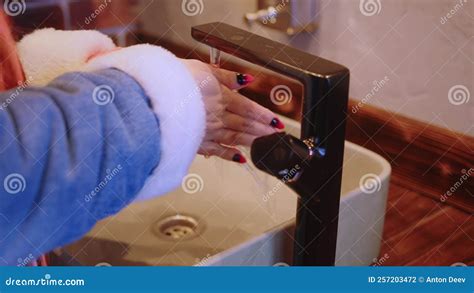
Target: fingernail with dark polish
(276,123)
(244,79)
(239,158)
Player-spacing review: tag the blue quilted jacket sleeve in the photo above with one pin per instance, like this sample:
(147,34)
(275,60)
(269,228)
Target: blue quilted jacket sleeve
(71,153)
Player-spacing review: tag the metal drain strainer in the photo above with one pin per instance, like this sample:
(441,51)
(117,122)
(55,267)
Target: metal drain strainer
(177,227)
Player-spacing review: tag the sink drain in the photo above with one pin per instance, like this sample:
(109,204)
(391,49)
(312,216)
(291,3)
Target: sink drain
(178,227)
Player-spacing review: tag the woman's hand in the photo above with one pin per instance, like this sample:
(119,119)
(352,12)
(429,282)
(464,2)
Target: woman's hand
(231,119)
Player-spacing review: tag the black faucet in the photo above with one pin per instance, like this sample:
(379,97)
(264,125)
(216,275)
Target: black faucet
(311,165)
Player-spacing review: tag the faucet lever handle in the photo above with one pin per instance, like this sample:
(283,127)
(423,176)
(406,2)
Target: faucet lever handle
(281,155)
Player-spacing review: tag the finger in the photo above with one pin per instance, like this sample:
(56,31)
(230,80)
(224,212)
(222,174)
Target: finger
(232,137)
(210,148)
(231,79)
(246,125)
(245,107)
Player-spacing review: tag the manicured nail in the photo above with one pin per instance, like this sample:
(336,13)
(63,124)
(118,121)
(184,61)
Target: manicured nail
(276,123)
(239,158)
(244,79)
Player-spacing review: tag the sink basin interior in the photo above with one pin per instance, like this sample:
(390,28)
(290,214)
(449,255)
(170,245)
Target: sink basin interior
(227,205)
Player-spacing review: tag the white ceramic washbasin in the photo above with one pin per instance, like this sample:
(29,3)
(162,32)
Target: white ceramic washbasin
(229,215)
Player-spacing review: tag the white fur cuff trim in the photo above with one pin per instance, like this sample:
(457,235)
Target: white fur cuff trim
(48,53)
(176,100)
